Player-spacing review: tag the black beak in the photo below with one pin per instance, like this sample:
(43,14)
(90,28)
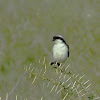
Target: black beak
(53,39)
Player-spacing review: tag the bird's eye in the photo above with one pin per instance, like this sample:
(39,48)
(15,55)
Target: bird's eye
(54,38)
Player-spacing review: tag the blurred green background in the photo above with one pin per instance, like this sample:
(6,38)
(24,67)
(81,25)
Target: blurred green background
(26,30)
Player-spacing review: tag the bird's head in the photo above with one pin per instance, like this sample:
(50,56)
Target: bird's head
(58,39)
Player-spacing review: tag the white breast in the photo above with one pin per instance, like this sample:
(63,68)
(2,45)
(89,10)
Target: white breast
(60,52)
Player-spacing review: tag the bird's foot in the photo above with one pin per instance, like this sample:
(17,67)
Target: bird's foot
(52,63)
(58,64)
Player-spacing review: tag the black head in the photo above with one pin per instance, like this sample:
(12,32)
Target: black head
(58,37)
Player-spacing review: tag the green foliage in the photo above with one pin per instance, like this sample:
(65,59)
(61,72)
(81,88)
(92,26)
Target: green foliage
(61,80)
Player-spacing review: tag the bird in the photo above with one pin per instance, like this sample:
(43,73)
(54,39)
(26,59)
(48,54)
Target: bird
(60,50)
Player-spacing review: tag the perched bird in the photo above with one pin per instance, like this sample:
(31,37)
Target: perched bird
(60,50)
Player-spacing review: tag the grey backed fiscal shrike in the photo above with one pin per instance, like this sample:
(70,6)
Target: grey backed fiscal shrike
(60,50)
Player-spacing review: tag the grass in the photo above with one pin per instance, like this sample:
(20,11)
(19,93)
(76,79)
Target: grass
(26,30)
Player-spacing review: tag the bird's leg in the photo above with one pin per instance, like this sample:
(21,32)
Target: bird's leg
(58,64)
(55,63)
(52,63)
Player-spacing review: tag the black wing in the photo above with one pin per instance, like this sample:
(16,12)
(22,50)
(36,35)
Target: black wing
(68,49)
(68,53)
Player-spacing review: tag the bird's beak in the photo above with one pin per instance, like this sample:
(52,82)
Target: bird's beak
(53,39)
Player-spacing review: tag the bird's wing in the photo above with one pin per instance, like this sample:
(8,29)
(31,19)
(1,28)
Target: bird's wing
(67,46)
(68,53)
(68,49)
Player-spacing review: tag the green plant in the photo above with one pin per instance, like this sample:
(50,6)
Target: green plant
(62,80)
